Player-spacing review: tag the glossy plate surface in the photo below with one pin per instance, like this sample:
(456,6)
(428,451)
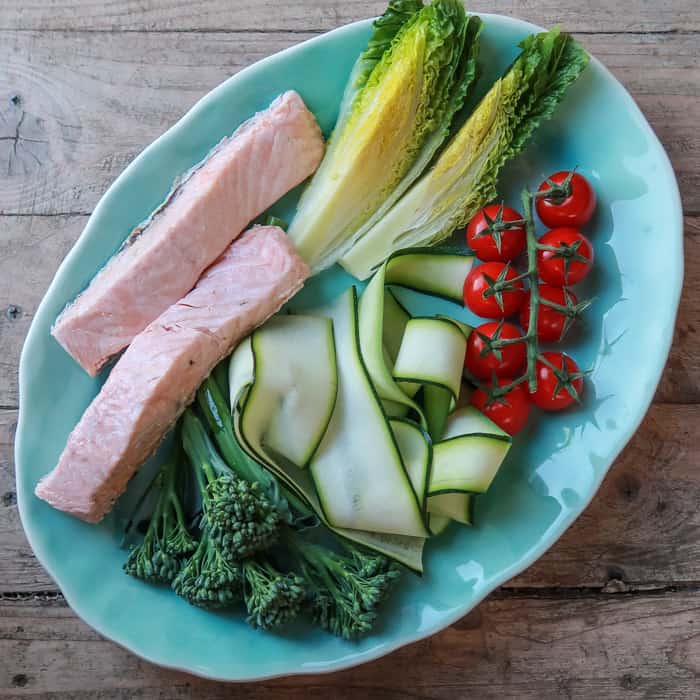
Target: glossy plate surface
(557,463)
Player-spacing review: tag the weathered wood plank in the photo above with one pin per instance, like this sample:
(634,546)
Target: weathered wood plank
(31,249)
(643,646)
(75,108)
(588,15)
(643,527)
(680,381)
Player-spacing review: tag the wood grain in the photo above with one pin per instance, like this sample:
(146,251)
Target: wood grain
(515,648)
(252,15)
(642,529)
(76,108)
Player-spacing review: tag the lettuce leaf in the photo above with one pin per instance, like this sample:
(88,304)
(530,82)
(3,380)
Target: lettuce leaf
(396,112)
(464,176)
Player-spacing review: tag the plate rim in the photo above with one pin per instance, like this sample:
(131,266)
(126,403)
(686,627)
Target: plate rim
(533,555)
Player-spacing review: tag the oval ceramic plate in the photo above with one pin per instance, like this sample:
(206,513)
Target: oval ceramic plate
(557,463)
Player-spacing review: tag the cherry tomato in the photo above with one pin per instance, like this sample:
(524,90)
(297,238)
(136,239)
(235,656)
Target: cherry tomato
(509,412)
(552,393)
(570,263)
(485,299)
(482,360)
(573,209)
(492,235)
(551,324)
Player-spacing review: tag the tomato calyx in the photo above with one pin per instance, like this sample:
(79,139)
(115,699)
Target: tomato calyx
(501,284)
(495,343)
(557,192)
(565,378)
(496,226)
(496,393)
(568,252)
(571,309)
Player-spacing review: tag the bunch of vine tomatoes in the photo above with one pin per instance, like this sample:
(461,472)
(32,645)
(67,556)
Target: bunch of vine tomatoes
(497,351)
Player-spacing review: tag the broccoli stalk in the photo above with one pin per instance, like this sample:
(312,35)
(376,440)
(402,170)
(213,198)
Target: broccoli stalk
(217,414)
(346,588)
(238,514)
(167,540)
(271,597)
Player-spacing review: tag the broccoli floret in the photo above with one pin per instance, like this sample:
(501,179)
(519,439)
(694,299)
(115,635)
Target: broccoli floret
(271,597)
(242,520)
(208,579)
(167,540)
(346,588)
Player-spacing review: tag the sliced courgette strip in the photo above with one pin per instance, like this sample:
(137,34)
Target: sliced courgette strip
(358,472)
(454,506)
(436,403)
(395,319)
(405,550)
(417,455)
(438,523)
(431,271)
(436,271)
(468,420)
(371,332)
(432,352)
(467,464)
(296,384)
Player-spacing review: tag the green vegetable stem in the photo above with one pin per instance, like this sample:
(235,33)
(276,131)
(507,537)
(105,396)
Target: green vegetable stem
(236,512)
(167,540)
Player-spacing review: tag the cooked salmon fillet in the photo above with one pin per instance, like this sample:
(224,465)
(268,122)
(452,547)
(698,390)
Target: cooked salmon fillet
(162,260)
(156,378)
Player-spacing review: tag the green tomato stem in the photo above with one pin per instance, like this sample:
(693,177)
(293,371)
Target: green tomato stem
(531,337)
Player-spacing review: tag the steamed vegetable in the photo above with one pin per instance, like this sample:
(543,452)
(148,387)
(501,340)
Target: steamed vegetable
(216,570)
(272,598)
(437,272)
(345,587)
(397,110)
(358,472)
(376,467)
(167,539)
(463,178)
(238,513)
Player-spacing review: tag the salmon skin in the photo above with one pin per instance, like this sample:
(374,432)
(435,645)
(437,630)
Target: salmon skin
(162,260)
(156,378)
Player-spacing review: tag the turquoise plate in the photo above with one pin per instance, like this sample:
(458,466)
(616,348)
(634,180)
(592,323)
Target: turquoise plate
(558,462)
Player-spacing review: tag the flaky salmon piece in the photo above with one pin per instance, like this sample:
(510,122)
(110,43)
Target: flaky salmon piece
(162,260)
(156,378)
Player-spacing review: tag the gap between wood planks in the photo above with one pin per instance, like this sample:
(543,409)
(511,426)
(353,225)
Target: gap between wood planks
(505,592)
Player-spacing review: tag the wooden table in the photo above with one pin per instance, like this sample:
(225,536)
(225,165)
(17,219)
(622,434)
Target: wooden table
(611,611)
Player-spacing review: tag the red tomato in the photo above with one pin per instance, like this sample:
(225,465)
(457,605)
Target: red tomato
(489,291)
(557,388)
(570,262)
(492,235)
(509,412)
(551,323)
(482,360)
(572,206)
